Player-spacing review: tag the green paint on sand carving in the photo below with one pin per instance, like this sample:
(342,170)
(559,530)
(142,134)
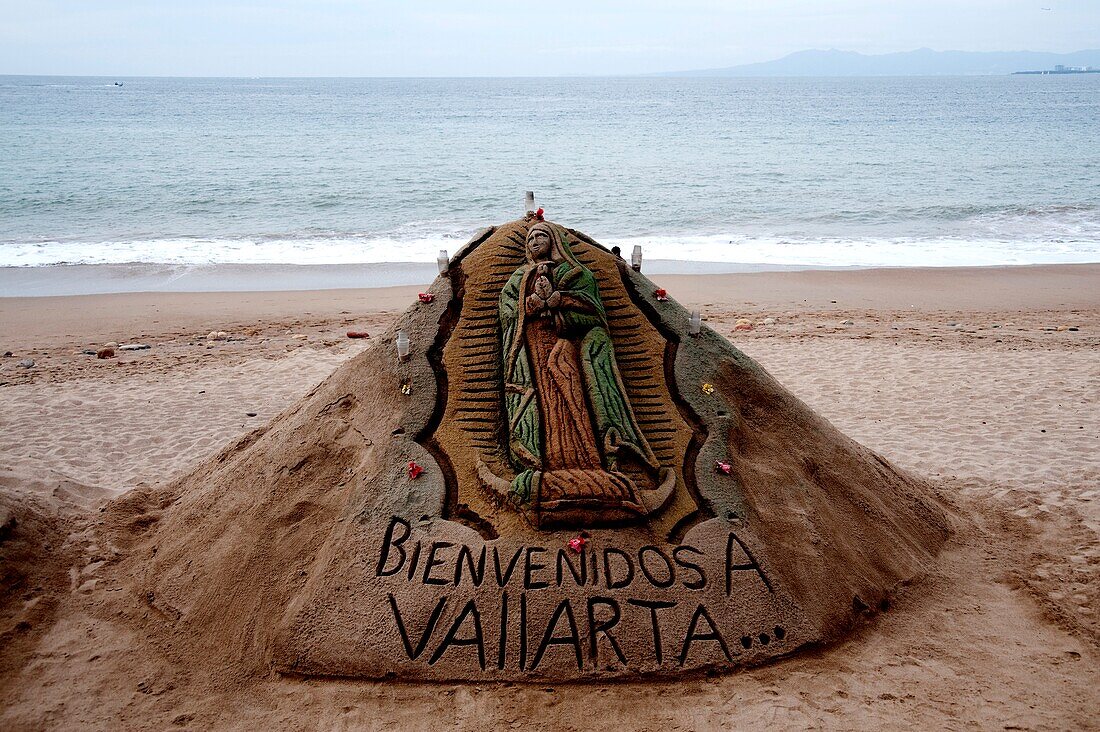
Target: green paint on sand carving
(581,319)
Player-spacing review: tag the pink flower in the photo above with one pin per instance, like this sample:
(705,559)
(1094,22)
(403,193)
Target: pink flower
(426,296)
(577,543)
(723,467)
(414,470)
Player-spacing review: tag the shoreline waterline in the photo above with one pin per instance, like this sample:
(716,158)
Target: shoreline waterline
(264,291)
(104,279)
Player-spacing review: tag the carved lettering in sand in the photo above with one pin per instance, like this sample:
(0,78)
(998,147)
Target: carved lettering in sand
(648,607)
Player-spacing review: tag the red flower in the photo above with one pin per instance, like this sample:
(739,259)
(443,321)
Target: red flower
(661,294)
(538,214)
(414,470)
(577,544)
(426,296)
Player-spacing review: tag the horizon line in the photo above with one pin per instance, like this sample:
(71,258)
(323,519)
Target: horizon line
(634,74)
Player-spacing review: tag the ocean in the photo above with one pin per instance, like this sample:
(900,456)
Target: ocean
(924,171)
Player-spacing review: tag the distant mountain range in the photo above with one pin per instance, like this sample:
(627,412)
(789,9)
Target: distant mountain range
(922,62)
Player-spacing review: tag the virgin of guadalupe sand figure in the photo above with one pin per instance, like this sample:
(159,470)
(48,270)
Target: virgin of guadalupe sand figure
(580,456)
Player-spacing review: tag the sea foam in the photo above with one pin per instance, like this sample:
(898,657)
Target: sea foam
(725,248)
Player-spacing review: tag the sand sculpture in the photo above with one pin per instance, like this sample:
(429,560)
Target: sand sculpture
(557,482)
(572,432)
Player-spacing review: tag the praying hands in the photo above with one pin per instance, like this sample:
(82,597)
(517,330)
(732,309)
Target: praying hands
(545,297)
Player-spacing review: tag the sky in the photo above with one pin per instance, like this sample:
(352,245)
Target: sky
(495,38)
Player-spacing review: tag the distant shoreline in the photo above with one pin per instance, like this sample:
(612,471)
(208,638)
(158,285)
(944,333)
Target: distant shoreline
(817,62)
(1052,72)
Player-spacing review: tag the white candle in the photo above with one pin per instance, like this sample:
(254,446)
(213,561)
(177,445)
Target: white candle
(636,258)
(529,202)
(402,345)
(696,322)
(443,261)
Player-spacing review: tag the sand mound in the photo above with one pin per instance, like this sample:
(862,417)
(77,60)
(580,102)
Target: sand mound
(307,548)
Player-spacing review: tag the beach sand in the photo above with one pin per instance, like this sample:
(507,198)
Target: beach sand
(986,380)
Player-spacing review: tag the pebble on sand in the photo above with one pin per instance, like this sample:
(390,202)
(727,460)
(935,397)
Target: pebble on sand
(8,354)
(112,344)
(134,347)
(217,335)
(358,334)
(769,321)
(847,322)
(26,363)
(105,353)
(743,324)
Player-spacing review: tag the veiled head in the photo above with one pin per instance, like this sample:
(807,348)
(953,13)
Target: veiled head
(541,241)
